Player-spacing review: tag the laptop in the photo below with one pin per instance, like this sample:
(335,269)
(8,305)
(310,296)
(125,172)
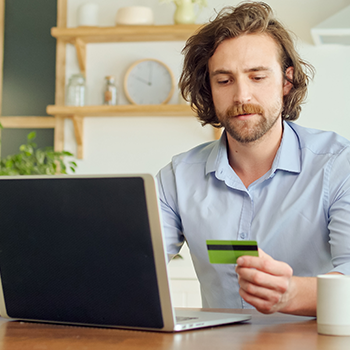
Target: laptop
(89,250)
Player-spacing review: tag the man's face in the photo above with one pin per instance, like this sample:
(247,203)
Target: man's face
(247,85)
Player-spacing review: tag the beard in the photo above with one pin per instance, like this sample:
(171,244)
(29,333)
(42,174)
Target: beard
(246,131)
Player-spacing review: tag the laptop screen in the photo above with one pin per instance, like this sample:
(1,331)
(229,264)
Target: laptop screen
(78,250)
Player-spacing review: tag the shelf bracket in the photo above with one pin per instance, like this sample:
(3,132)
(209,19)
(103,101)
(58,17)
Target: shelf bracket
(80,47)
(78,123)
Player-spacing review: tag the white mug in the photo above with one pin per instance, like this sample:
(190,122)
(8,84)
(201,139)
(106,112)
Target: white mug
(333,304)
(88,15)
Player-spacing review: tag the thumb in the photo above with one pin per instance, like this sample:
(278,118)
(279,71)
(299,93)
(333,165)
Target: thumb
(264,255)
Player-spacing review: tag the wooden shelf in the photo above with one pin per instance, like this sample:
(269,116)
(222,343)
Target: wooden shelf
(77,114)
(80,37)
(166,110)
(125,33)
(28,122)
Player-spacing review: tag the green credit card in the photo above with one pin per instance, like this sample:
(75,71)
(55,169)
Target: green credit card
(227,252)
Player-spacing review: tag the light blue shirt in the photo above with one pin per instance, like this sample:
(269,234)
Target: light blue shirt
(298,212)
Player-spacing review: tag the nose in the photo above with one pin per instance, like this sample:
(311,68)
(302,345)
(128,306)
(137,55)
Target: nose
(242,92)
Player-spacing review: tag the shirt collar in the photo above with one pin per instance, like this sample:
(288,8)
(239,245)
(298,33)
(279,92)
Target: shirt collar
(218,154)
(288,154)
(287,157)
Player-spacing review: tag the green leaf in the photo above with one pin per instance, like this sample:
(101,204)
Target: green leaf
(31,135)
(33,161)
(9,164)
(65,153)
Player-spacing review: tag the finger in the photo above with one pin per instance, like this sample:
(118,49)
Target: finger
(254,277)
(262,254)
(265,306)
(266,264)
(256,292)
(267,284)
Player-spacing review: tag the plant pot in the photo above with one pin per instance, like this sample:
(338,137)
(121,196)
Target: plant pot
(184,13)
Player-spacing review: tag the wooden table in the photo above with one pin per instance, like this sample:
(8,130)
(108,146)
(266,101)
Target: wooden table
(268,332)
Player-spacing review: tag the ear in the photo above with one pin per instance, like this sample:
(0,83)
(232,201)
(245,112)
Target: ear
(287,85)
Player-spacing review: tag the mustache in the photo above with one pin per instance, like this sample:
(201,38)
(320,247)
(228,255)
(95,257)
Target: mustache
(248,108)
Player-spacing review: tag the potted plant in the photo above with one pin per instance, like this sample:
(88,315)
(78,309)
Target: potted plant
(35,161)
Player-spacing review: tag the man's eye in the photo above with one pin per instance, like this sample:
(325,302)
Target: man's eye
(222,82)
(259,78)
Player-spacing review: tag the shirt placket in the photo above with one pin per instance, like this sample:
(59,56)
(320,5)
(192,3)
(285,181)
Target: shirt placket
(244,232)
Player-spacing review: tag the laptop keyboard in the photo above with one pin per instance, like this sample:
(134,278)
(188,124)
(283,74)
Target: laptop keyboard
(184,318)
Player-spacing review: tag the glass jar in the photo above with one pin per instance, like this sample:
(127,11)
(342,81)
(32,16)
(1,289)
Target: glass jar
(110,95)
(76,91)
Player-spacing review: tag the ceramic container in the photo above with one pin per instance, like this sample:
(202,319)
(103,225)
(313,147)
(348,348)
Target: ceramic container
(88,15)
(134,15)
(333,305)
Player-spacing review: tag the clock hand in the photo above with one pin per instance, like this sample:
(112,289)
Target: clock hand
(150,73)
(142,80)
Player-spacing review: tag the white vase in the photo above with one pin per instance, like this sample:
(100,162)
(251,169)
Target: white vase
(184,13)
(88,14)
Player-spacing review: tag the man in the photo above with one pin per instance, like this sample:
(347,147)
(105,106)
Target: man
(266,179)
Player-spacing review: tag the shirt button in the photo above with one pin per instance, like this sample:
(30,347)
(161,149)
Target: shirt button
(242,235)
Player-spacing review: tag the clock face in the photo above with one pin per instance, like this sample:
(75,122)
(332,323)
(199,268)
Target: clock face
(148,82)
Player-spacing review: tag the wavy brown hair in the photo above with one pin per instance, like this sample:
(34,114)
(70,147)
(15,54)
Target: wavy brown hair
(231,22)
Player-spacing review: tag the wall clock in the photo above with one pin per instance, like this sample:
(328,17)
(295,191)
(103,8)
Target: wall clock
(149,82)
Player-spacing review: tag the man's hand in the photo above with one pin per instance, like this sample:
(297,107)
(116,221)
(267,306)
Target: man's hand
(266,284)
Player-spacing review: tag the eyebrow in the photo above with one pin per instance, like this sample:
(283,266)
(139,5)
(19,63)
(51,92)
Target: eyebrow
(248,70)
(257,69)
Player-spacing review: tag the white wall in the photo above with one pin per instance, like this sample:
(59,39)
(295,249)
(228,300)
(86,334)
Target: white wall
(139,144)
(328,103)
